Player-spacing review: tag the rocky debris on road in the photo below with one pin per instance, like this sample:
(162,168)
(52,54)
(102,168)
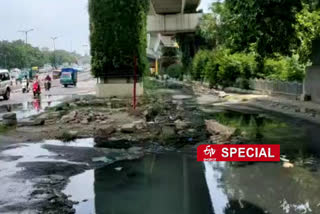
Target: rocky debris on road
(35,122)
(69,117)
(182,125)
(105,132)
(9,119)
(216,128)
(68,136)
(128,128)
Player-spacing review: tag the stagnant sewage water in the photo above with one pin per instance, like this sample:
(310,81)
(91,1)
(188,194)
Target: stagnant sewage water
(175,182)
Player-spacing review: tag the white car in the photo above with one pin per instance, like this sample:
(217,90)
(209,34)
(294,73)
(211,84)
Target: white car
(5,84)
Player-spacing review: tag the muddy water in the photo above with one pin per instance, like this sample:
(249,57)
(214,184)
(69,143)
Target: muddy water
(28,109)
(176,183)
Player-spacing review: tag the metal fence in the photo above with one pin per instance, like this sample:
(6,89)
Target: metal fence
(277,87)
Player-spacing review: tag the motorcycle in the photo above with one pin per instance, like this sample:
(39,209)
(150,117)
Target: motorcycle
(25,86)
(47,85)
(36,89)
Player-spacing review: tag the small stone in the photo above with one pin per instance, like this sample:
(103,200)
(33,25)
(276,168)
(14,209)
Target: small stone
(101,159)
(69,117)
(214,127)
(105,131)
(118,169)
(85,121)
(9,116)
(9,119)
(287,165)
(128,128)
(140,124)
(73,105)
(168,131)
(181,125)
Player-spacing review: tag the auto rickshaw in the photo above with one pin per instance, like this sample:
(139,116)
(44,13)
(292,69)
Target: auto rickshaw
(69,76)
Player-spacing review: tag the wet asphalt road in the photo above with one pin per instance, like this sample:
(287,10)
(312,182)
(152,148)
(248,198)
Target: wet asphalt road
(86,84)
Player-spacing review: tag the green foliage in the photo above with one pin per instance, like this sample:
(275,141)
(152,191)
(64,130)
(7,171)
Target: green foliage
(269,24)
(17,54)
(170,56)
(284,68)
(308,29)
(199,63)
(278,34)
(234,66)
(118,33)
(175,71)
(220,67)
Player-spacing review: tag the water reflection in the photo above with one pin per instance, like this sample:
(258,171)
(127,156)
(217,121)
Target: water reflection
(299,141)
(262,188)
(27,109)
(166,183)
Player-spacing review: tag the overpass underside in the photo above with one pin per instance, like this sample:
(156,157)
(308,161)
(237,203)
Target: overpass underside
(169,17)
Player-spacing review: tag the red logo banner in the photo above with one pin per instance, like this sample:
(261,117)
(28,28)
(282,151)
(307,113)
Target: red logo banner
(256,153)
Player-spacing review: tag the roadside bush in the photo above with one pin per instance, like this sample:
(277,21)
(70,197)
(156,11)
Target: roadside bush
(198,64)
(219,67)
(175,71)
(283,68)
(239,66)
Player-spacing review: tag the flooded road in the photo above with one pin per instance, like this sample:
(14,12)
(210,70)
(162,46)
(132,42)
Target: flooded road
(28,109)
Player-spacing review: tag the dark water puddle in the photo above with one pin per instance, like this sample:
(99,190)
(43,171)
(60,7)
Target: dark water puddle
(177,183)
(17,190)
(166,183)
(299,141)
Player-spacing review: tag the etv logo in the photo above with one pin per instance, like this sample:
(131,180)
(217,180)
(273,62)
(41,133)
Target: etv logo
(209,151)
(238,153)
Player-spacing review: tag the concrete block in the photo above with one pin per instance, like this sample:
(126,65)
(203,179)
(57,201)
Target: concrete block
(117,89)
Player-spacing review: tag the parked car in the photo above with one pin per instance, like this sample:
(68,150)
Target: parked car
(5,84)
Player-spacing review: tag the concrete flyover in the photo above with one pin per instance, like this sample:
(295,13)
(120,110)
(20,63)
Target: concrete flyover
(171,24)
(173,16)
(167,18)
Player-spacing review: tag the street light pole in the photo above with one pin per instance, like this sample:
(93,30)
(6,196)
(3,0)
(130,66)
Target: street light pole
(54,49)
(85,49)
(26,33)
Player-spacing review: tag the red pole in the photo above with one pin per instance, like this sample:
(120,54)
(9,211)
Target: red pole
(135,83)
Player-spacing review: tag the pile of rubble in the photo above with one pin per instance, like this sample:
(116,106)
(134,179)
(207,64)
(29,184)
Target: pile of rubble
(220,133)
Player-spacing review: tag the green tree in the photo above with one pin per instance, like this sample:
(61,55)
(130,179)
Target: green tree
(118,33)
(266,23)
(307,29)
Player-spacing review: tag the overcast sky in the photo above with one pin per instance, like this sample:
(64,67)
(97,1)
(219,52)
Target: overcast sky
(67,19)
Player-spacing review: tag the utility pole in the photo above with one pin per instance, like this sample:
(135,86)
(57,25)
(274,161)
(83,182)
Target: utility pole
(54,42)
(85,46)
(26,33)
(54,49)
